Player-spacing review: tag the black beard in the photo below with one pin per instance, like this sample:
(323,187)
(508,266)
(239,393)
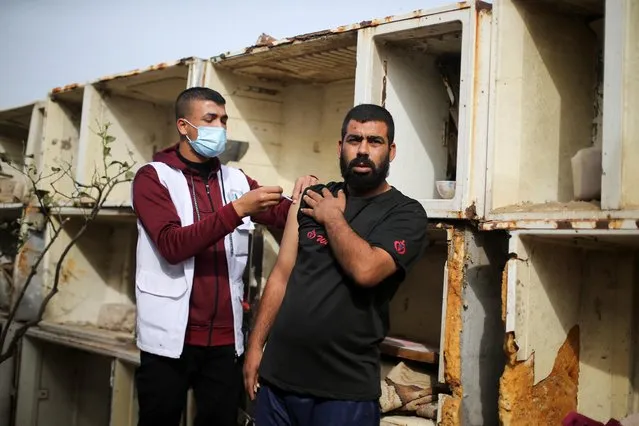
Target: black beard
(363,183)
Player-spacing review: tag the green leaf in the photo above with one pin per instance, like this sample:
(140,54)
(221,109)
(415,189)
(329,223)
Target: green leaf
(129,175)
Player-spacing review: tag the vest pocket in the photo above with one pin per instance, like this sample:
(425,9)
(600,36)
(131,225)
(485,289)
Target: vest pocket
(160,285)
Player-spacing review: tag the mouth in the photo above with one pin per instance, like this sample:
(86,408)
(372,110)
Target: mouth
(361,169)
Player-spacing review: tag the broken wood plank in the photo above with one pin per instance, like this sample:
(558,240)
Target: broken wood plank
(410,350)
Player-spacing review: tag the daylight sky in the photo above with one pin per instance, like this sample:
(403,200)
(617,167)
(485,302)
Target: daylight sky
(50,43)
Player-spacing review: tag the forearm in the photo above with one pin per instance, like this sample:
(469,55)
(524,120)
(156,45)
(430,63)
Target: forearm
(267,311)
(352,252)
(154,208)
(177,243)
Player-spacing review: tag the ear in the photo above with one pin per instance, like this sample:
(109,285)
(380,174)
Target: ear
(182,127)
(339,149)
(391,154)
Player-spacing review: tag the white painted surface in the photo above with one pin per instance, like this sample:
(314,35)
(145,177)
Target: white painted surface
(630,177)
(60,145)
(97,270)
(614,97)
(543,106)
(418,101)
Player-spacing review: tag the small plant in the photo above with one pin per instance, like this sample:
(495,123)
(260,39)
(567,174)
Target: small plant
(43,214)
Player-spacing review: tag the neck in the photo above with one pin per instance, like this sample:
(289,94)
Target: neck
(188,153)
(371,192)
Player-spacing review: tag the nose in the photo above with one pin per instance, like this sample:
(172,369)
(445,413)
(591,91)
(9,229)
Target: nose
(363,148)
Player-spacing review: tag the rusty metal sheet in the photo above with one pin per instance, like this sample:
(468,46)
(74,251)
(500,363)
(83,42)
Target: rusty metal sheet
(157,83)
(160,83)
(560,224)
(71,94)
(157,67)
(321,60)
(300,58)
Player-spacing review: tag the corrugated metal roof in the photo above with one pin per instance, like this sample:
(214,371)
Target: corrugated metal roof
(321,59)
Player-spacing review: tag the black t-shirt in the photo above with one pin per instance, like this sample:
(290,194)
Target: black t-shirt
(325,339)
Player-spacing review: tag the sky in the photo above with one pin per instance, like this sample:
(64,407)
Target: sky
(50,43)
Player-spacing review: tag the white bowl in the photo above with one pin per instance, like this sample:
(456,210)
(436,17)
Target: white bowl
(445,188)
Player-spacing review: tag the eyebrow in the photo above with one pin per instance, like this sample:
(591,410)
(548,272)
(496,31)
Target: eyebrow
(212,114)
(376,138)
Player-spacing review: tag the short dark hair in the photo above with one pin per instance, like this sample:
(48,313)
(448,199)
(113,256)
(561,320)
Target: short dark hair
(184,99)
(370,112)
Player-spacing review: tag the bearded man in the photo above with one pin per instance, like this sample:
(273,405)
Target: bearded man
(325,307)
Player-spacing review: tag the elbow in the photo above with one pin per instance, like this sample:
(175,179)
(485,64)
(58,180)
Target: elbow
(366,277)
(277,279)
(171,257)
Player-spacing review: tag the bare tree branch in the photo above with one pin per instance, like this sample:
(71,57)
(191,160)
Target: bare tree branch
(97,193)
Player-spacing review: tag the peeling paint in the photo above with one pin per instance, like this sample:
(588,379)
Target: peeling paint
(156,67)
(66,88)
(470,212)
(384,82)
(451,408)
(547,402)
(561,224)
(67,272)
(452,341)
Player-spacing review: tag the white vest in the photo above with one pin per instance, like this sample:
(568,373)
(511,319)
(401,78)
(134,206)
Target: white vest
(163,290)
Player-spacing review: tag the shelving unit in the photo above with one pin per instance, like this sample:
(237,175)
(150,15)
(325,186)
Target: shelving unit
(416,309)
(502,100)
(550,115)
(61,140)
(431,72)
(15,142)
(71,387)
(139,105)
(20,134)
(96,287)
(570,303)
(79,376)
(286,103)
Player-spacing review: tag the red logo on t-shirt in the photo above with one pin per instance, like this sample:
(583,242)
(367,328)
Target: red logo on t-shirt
(400,246)
(312,235)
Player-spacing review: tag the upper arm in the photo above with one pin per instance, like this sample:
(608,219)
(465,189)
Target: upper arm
(400,239)
(288,248)
(152,202)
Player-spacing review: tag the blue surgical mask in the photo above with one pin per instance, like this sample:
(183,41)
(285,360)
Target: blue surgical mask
(210,142)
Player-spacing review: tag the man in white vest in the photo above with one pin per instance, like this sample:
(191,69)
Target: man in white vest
(194,218)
